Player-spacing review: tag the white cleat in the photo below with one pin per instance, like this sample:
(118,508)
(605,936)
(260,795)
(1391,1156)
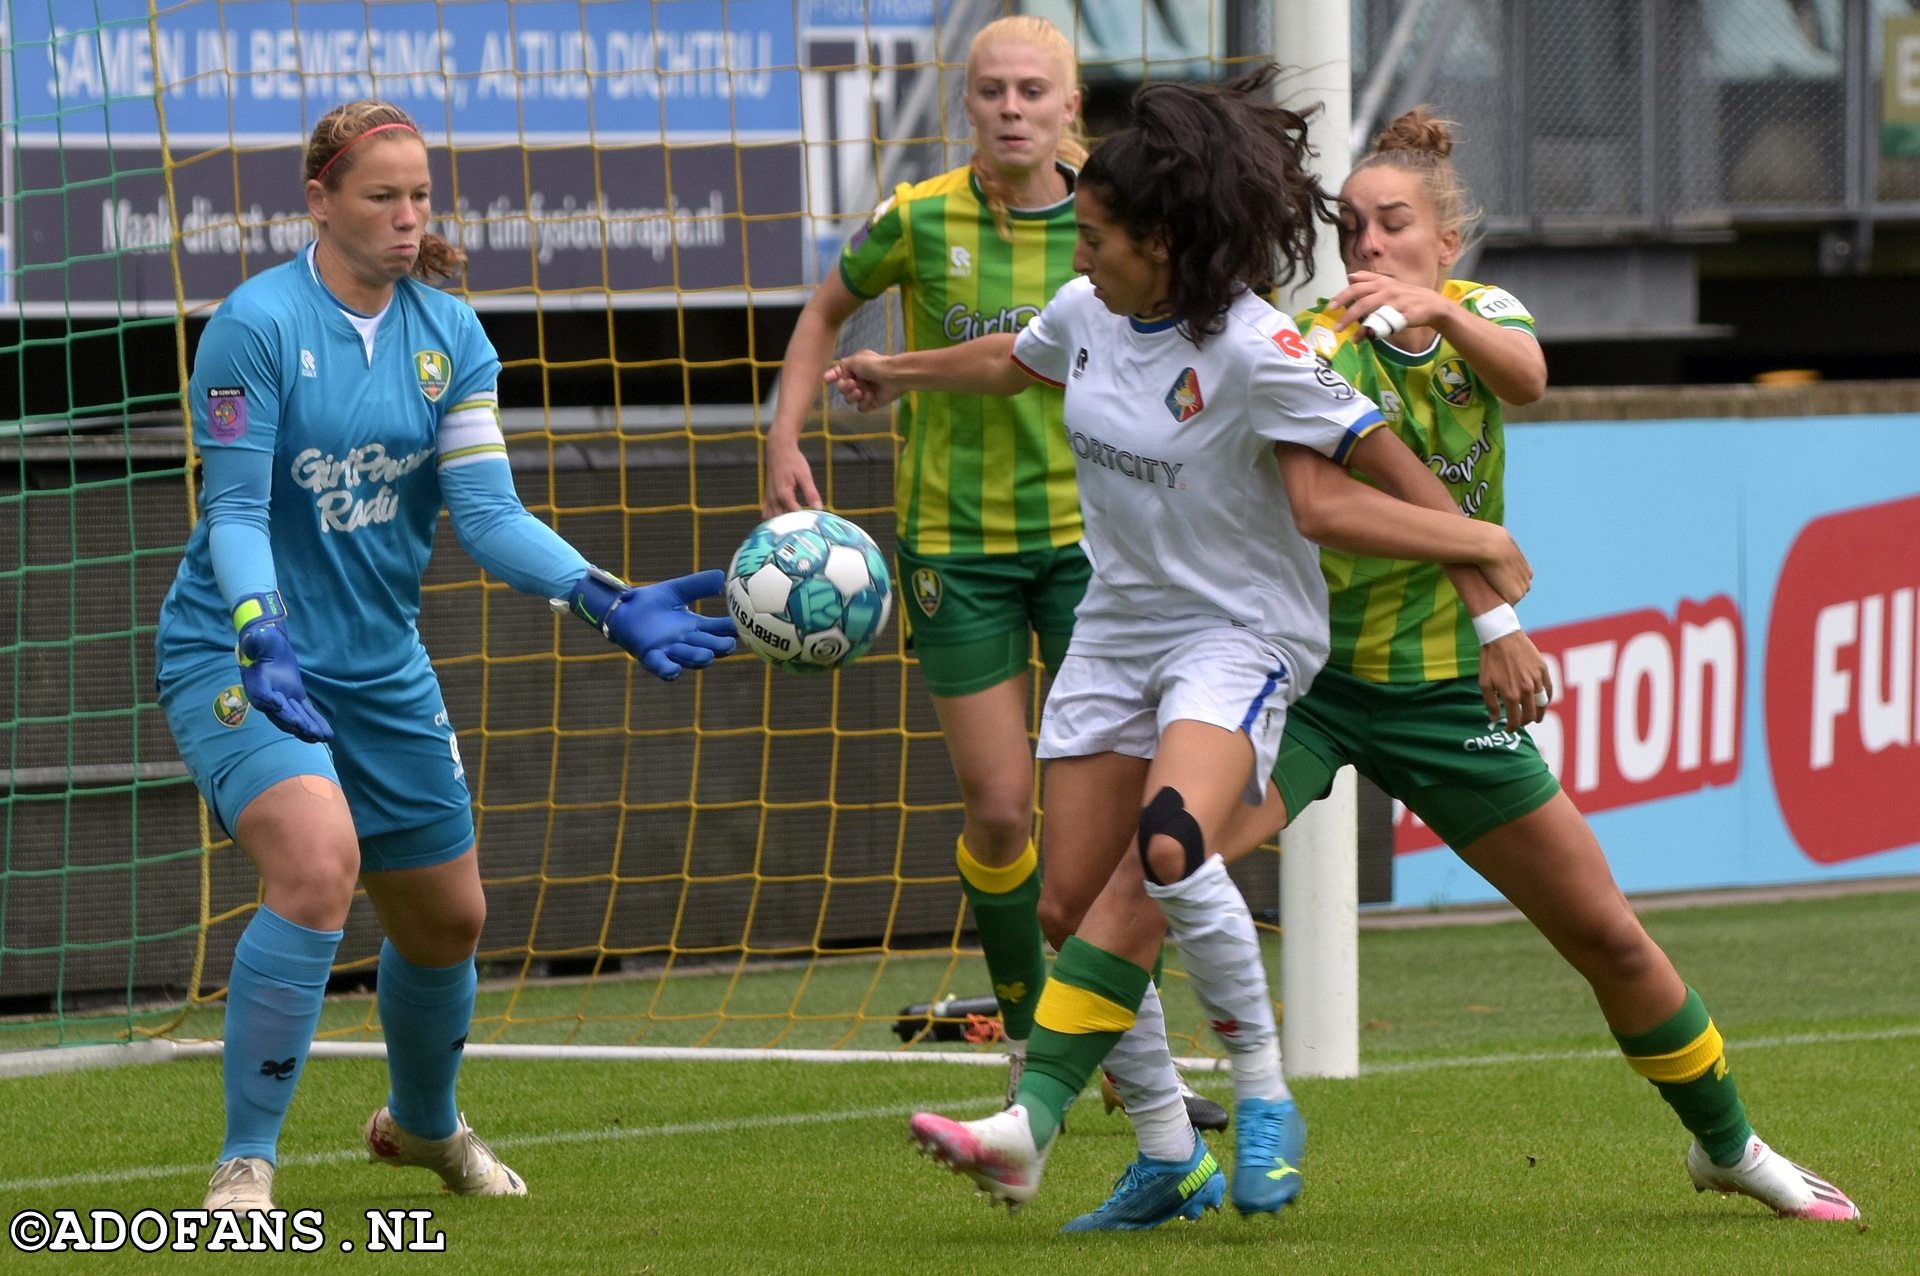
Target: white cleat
(241,1185)
(996,1152)
(465,1164)
(1789,1190)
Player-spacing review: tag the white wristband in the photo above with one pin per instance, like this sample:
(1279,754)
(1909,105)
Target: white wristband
(1496,624)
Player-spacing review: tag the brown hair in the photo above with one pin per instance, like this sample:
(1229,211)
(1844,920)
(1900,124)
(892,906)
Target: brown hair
(1421,144)
(1040,34)
(329,158)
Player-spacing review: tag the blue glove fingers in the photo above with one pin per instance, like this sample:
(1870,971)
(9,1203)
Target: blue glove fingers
(688,656)
(717,626)
(273,685)
(717,644)
(658,664)
(693,587)
(300,720)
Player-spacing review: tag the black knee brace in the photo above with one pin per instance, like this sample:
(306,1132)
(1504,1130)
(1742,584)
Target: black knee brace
(1167,816)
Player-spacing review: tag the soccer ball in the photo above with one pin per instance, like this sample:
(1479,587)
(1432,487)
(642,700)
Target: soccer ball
(808,591)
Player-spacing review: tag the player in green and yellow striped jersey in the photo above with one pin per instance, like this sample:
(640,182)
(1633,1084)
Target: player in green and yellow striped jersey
(987,513)
(1428,694)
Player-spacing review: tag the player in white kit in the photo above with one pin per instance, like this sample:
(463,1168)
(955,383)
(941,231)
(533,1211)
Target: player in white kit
(1210,447)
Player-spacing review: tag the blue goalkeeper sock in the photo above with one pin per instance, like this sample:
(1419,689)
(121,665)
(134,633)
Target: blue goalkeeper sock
(273,1005)
(425,1012)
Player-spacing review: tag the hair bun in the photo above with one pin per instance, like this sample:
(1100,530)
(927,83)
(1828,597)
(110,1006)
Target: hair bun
(1417,130)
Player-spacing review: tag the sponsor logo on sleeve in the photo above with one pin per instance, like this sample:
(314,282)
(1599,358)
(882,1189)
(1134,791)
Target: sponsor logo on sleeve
(226,412)
(1498,303)
(866,227)
(1290,340)
(1335,383)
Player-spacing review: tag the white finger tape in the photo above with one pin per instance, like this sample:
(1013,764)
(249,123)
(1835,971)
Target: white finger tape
(1541,699)
(1384,322)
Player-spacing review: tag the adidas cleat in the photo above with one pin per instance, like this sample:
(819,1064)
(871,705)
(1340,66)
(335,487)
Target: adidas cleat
(1153,1192)
(1270,1139)
(1203,1112)
(996,1152)
(1789,1190)
(241,1185)
(465,1164)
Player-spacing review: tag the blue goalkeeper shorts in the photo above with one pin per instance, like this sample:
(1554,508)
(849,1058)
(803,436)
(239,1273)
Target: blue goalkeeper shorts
(393,754)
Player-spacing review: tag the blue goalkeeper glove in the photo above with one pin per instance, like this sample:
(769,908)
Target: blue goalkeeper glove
(269,672)
(653,623)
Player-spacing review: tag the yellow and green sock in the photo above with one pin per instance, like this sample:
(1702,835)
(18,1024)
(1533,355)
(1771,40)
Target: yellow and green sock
(1092,998)
(1686,1061)
(1006,912)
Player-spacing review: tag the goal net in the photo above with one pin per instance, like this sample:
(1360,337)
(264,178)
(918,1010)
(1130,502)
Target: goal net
(646,192)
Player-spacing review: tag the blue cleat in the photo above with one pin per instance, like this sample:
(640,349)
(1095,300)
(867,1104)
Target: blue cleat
(1154,1192)
(1269,1145)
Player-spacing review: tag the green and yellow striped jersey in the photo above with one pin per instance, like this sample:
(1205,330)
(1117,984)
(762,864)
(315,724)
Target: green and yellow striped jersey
(977,474)
(1398,621)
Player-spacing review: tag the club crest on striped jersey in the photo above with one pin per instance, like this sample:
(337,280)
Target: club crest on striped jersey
(435,372)
(1452,383)
(926,590)
(1184,399)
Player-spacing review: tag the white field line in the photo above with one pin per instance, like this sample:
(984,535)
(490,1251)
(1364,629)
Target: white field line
(604,1135)
(777,1121)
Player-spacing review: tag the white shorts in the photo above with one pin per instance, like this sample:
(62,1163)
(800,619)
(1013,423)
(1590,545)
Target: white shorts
(1224,677)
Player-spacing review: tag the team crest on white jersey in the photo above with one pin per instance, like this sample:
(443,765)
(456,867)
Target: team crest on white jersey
(959,261)
(1184,399)
(435,372)
(926,590)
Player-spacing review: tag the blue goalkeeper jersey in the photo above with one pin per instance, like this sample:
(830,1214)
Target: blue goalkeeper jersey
(355,432)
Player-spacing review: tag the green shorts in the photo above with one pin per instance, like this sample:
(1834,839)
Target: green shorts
(972,619)
(1425,743)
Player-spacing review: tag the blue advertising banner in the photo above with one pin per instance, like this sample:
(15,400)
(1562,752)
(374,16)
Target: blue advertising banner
(472,70)
(632,153)
(1730,607)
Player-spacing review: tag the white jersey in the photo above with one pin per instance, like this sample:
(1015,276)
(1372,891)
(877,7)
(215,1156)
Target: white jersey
(1188,525)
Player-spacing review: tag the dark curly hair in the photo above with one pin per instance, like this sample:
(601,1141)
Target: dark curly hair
(1219,172)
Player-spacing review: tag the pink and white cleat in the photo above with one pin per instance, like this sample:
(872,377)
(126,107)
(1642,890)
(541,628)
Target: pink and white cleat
(1789,1190)
(996,1152)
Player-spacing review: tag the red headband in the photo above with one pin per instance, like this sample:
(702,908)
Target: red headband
(378,128)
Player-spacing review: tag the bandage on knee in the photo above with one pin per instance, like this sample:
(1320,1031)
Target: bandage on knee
(1167,816)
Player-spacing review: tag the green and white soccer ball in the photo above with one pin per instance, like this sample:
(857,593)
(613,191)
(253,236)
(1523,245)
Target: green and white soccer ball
(808,591)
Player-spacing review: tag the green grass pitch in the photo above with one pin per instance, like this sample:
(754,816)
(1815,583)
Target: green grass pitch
(1494,1129)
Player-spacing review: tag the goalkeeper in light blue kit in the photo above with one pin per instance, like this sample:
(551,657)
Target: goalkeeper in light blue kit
(338,403)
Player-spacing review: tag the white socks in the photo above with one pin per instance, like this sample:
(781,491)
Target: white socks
(1141,1068)
(1211,926)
